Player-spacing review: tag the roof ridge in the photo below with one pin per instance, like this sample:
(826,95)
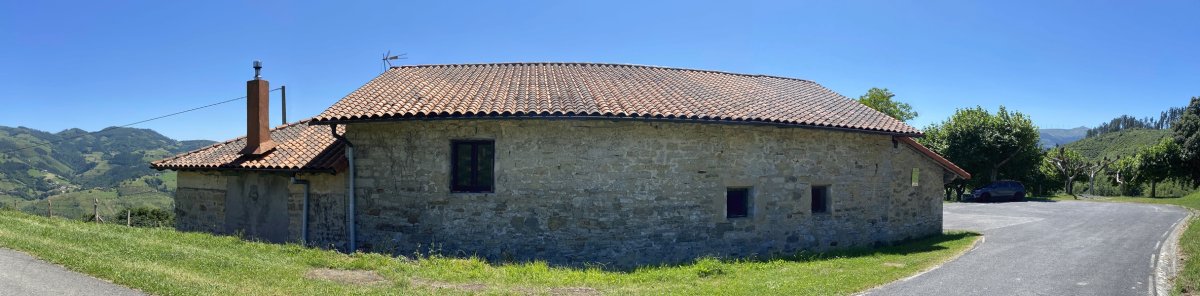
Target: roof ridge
(598,64)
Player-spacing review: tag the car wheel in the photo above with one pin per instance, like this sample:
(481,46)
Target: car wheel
(985,197)
(1020,196)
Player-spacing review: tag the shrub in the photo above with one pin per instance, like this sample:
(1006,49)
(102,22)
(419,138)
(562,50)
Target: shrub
(709,266)
(147,217)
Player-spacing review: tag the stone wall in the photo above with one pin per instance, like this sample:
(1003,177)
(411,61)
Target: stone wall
(633,192)
(225,203)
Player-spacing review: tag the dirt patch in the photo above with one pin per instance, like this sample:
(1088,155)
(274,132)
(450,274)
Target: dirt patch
(572,291)
(348,277)
(477,287)
(444,285)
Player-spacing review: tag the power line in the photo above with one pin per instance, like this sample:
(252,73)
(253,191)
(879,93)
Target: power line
(127,125)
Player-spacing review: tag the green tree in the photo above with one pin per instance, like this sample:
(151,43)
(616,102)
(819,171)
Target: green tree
(990,146)
(1158,163)
(1096,167)
(1123,173)
(881,100)
(1187,138)
(1068,164)
(1045,179)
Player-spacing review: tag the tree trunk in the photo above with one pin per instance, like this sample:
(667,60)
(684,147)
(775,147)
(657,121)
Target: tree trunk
(1092,184)
(1153,187)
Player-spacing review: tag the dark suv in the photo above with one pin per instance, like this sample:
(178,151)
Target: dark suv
(1000,190)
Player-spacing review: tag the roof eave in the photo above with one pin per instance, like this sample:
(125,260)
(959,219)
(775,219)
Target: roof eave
(942,161)
(592,117)
(276,170)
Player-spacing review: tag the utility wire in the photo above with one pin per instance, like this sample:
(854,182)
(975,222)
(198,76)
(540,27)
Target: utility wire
(127,125)
(117,188)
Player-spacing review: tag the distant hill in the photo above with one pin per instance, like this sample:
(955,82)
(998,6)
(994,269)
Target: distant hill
(36,164)
(1059,136)
(1119,143)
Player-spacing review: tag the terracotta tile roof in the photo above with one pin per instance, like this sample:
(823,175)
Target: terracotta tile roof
(603,90)
(302,147)
(937,158)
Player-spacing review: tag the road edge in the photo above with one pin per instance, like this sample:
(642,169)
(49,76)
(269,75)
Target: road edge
(974,245)
(79,273)
(1166,267)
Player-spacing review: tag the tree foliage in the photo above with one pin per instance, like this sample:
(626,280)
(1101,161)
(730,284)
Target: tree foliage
(882,100)
(1187,138)
(146,217)
(1165,120)
(1069,164)
(1159,162)
(990,146)
(1125,174)
(1045,179)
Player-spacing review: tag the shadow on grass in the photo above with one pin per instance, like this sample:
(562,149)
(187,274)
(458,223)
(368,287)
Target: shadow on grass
(1157,197)
(908,247)
(1040,199)
(1027,199)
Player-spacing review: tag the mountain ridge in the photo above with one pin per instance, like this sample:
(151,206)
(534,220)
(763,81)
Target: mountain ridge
(1051,137)
(36,164)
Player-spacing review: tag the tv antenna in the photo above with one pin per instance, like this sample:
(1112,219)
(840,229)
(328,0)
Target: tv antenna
(388,58)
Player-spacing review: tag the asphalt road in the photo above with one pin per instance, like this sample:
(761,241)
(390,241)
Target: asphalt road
(1050,248)
(23,275)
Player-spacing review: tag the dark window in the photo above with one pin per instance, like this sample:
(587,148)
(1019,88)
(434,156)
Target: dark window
(471,166)
(737,202)
(820,199)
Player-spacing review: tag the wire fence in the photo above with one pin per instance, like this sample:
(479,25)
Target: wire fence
(146,209)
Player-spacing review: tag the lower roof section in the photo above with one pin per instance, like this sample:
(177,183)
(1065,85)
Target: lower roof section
(301,148)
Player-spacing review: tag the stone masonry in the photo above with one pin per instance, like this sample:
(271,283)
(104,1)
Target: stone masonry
(622,192)
(203,200)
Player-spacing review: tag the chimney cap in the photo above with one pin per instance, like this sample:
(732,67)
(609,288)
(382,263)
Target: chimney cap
(257,69)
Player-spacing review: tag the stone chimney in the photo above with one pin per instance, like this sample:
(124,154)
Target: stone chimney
(258,129)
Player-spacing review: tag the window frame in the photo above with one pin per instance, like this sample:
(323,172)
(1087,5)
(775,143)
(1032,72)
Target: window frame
(476,169)
(748,202)
(827,200)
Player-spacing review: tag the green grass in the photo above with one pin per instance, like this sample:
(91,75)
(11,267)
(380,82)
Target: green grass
(163,261)
(76,205)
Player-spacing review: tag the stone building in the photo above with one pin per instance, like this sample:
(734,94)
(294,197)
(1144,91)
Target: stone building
(572,163)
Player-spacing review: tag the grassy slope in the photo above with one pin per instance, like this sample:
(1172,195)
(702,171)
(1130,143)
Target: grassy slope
(1117,144)
(75,205)
(163,261)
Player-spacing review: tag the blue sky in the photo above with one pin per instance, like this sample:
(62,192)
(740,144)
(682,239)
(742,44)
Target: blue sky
(93,64)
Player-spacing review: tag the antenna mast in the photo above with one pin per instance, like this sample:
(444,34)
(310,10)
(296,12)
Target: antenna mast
(388,58)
